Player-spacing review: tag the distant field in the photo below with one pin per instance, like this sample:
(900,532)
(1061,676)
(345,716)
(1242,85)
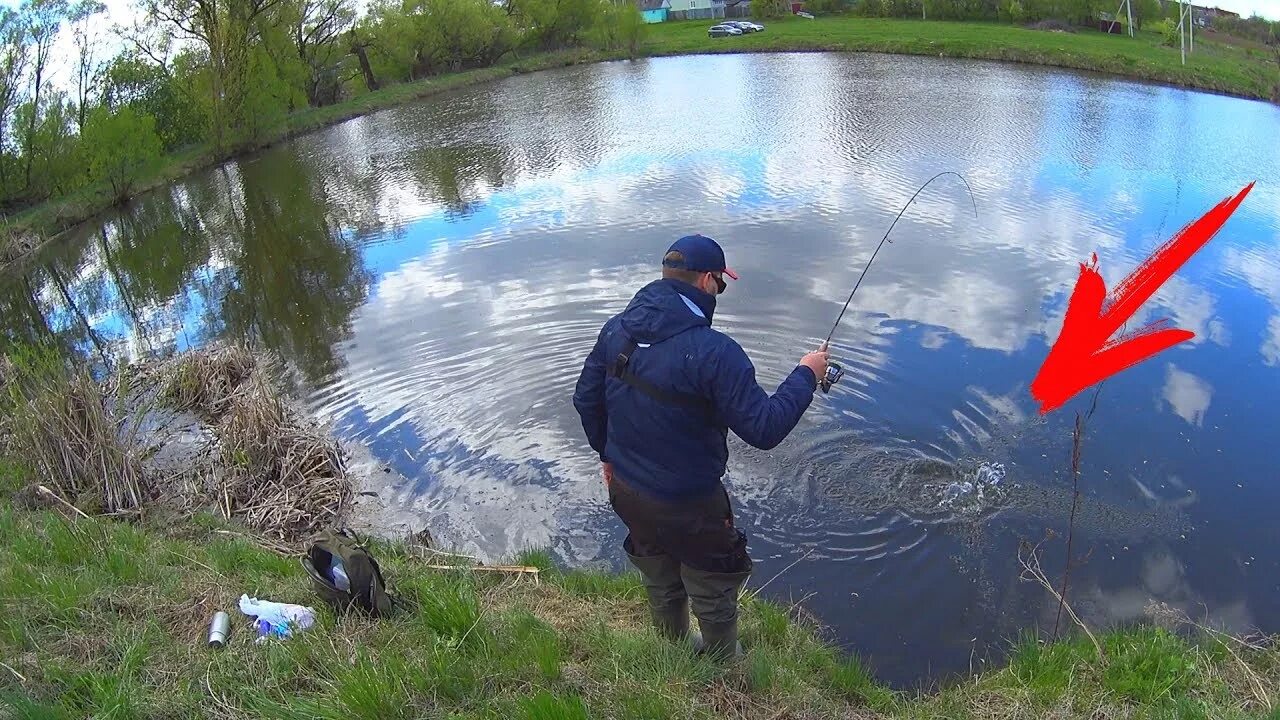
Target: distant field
(1238,69)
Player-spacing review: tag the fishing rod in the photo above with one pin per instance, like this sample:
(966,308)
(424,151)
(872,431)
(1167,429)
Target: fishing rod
(834,371)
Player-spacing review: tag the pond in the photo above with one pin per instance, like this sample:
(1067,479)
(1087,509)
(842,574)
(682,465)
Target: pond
(436,274)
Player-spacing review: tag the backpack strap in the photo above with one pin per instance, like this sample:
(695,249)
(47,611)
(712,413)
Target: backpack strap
(621,370)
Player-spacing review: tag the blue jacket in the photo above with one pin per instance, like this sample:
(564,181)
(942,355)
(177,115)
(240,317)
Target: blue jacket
(665,449)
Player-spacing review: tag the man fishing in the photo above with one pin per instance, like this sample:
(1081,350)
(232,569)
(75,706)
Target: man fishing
(657,396)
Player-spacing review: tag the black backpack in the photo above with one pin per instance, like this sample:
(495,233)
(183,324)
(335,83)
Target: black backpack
(367,591)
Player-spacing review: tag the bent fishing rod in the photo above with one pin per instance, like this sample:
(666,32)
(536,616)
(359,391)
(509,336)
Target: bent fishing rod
(834,371)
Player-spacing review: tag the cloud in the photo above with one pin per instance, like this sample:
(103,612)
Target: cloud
(1271,342)
(1187,395)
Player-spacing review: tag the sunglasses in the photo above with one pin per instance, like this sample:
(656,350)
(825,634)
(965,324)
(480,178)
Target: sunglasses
(720,283)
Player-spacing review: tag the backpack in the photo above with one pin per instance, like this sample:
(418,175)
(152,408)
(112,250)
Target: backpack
(365,589)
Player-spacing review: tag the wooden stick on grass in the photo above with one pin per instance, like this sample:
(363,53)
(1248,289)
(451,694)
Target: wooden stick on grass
(520,569)
(49,493)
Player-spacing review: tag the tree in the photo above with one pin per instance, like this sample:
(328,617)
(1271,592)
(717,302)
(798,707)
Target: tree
(88,67)
(44,19)
(765,9)
(468,33)
(13,65)
(120,145)
(130,80)
(868,8)
(227,30)
(359,48)
(620,28)
(424,37)
(1144,11)
(554,24)
(317,30)
(56,149)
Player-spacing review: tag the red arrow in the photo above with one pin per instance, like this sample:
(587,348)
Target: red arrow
(1082,355)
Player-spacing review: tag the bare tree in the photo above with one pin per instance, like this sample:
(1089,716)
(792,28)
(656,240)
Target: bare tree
(359,48)
(13,65)
(317,29)
(88,67)
(44,19)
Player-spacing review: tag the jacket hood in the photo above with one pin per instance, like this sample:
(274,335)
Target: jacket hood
(659,310)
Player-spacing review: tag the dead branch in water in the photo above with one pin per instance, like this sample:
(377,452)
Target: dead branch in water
(1076,435)
(1077,438)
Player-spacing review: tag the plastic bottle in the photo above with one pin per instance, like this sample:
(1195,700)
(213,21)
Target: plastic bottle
(338,573)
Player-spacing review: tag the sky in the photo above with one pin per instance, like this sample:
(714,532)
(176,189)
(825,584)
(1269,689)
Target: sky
(1269,9)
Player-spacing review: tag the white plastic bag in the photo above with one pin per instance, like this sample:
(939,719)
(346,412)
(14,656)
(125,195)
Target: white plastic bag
(281,619)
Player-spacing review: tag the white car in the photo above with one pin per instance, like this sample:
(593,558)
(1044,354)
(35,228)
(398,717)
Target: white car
(744,26)
(723,31)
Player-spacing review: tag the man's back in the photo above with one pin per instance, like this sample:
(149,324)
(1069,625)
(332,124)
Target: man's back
(665,419)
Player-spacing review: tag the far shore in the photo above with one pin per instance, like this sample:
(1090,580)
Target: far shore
(1215,67)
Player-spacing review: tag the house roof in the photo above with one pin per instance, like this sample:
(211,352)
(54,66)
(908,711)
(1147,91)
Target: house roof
(652,4)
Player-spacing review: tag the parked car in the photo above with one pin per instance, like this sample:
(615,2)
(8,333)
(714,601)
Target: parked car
(744,25)
(805,15)
(723,31)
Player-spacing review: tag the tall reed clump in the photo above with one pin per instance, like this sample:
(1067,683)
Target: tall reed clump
(206,380)
(276,471)
(71,431)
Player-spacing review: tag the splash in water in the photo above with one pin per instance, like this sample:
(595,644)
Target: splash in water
(973,492)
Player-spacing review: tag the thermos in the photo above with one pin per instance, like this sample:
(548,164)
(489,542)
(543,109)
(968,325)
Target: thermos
(219,629)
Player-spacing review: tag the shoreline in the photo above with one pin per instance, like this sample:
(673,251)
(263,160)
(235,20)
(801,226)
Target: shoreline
(31,230)
(118,573)
(116,613)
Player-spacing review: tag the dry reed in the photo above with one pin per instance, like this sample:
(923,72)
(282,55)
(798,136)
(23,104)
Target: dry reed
(72,434)
(273,469)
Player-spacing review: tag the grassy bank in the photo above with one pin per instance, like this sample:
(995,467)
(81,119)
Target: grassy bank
(1215,66)
(107,619)
(106,595)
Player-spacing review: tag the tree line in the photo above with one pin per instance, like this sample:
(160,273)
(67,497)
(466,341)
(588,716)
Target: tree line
(1253,28)
(224,74)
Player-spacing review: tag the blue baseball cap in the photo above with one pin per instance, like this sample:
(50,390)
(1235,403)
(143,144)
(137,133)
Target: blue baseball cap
(701,254)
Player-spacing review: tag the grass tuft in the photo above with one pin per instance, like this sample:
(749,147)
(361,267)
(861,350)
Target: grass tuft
(762,670)
(1148,665)
(603,585)
(539,558)
(1046,671)
(448,606)
(546,706)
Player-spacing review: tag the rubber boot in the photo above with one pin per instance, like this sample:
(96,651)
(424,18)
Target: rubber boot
(714,597)
(668,603)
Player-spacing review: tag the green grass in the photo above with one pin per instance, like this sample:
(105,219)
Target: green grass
(106,619)
(1214,66)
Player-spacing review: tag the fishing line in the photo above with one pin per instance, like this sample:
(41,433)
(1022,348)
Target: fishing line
(834,371)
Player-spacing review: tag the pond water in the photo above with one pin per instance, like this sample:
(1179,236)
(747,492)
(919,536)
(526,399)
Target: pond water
(436,274)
